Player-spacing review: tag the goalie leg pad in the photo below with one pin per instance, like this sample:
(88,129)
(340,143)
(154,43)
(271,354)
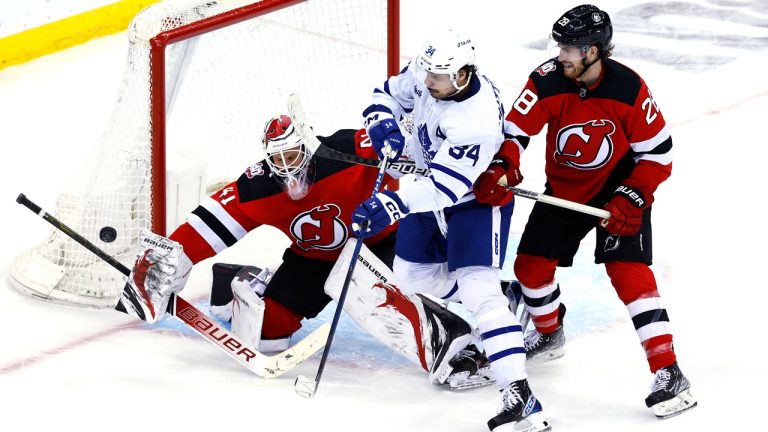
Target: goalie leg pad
(247,314)
(225,277)
(419,329)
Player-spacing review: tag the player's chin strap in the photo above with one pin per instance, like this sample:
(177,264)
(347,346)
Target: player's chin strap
(459,89)
(587,66)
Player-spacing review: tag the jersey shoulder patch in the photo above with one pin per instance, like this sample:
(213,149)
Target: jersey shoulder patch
(549,81)
(255,183)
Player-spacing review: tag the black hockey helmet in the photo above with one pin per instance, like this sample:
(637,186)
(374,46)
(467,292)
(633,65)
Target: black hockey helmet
(584,25)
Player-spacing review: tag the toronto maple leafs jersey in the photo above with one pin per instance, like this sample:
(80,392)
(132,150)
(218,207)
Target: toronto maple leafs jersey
(456,138)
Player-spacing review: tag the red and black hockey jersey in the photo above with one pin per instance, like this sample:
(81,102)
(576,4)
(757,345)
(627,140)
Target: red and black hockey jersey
(318,224)
(597,137)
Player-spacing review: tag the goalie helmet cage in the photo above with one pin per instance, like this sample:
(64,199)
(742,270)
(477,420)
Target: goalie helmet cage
(201,80)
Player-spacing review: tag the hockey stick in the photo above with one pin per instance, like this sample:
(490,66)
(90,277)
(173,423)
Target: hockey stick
(299,120)
(307,387)
(258,363)
(559,202)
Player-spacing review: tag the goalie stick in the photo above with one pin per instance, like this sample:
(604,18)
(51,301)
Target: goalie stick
(299,119)
(258,363)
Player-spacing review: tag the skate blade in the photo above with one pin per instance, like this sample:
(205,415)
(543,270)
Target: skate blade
(464,381)
(547,356)
(677,405)
(533,423)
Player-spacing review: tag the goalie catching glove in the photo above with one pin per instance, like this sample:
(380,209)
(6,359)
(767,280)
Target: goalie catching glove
(382,128)
(161,270)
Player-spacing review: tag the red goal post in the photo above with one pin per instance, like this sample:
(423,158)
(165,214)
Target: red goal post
(201,79)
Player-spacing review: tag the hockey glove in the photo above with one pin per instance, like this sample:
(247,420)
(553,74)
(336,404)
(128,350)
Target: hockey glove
(626,209)
(382,128)
(491,187)
(382,210)
(161,270)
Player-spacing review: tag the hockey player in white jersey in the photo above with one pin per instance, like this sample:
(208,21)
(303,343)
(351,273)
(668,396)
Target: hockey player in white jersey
(449,245)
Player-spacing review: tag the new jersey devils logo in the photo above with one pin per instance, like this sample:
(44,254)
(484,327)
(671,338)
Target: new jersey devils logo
(319,228)
(585,146)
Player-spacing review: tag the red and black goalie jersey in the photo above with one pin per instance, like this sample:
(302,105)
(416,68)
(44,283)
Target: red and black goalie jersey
(597,137)
(318,224)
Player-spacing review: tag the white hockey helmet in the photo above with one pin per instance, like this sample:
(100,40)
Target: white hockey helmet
(445,52)
(287,157)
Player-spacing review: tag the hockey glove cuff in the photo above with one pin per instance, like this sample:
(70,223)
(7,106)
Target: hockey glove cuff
(382,128)
(381,211)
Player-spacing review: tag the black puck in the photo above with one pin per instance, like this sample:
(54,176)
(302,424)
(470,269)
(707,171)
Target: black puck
(108,234)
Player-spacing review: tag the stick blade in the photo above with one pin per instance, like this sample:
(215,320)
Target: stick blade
(305,387)
(301,124)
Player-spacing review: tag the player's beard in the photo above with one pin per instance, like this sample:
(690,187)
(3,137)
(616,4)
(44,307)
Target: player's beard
(573,70)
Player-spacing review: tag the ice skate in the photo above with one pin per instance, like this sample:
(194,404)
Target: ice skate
(670,393)
(541,347)
(519,411)
(470,368)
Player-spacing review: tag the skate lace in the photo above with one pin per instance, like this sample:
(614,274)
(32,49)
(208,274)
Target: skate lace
(661,381)
(511,396)
(464,354)
(532,340)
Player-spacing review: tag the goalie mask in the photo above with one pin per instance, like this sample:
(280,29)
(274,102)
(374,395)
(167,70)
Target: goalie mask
(288,159)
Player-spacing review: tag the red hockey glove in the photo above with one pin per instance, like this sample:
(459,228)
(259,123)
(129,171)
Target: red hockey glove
(626,209)
(487,188)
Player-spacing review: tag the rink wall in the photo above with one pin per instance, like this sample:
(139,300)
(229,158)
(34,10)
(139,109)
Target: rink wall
(61,28)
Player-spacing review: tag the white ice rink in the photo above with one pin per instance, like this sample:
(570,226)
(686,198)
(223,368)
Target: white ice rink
(704,61)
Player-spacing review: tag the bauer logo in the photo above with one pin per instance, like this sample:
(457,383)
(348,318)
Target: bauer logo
(214,333)
(372,269)
(158,244)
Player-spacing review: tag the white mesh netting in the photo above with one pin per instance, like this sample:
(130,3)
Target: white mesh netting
(221,88)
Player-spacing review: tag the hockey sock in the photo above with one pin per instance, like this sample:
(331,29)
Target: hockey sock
(636,286)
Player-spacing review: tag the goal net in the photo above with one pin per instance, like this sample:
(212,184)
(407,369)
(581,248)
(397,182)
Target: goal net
(201,80)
